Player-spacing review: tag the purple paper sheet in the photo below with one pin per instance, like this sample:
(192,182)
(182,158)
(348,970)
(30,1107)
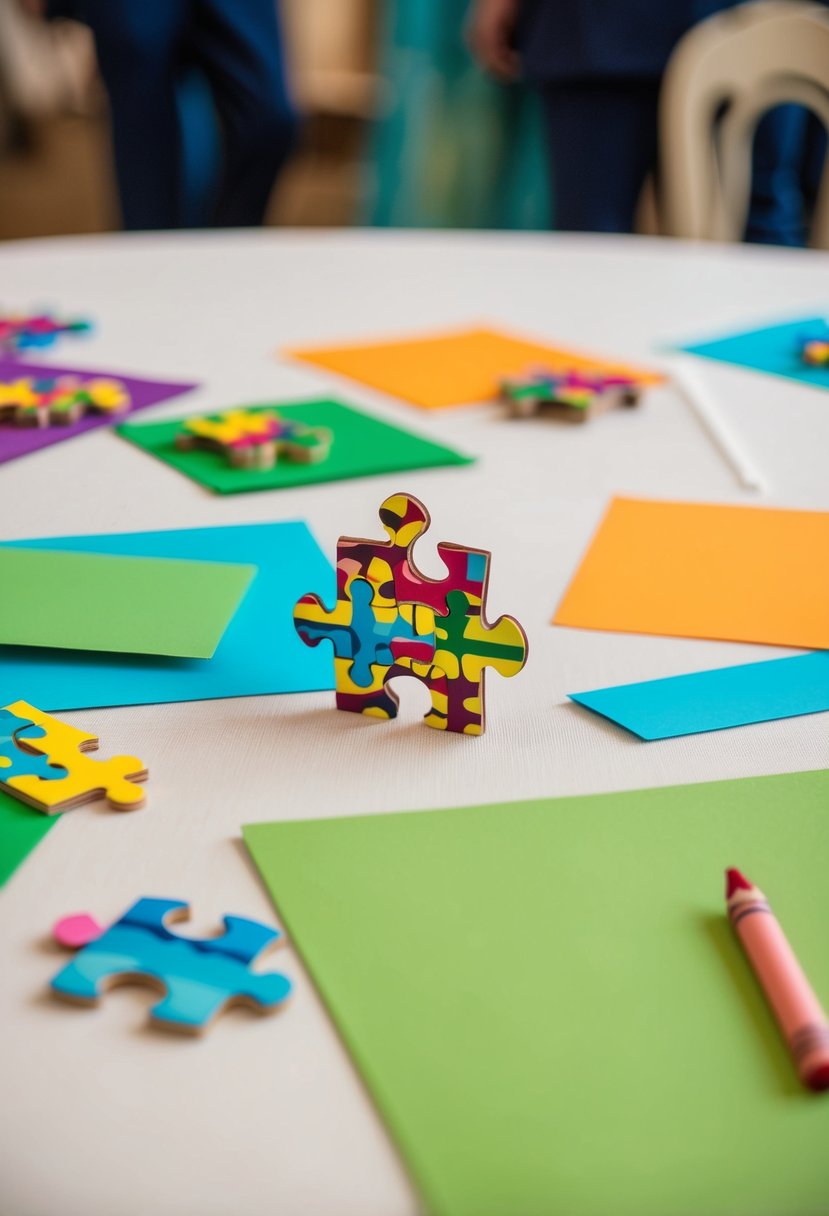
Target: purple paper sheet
(20,440)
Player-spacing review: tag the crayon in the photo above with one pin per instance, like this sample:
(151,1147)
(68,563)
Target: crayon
(798,1012)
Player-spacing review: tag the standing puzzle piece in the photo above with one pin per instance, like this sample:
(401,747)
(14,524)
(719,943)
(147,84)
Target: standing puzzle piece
(435,630)
(573,395)
(199,977)
(256,439)
(60,400)
(367,617)
(21,332)
(32,743)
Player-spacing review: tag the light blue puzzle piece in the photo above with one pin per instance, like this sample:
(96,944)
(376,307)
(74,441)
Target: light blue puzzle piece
(200,976)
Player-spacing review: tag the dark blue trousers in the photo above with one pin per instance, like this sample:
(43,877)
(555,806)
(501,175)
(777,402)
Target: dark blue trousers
(145,49)
(602,141)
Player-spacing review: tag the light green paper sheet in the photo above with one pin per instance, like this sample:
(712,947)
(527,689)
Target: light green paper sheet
(549,1006)
(362,446)
(135,605)
(21,828)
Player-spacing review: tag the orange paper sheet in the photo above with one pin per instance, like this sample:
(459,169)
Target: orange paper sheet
(742,574)
(439,370)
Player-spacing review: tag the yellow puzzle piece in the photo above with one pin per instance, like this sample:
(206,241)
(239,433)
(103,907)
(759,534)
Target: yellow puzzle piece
(26,774)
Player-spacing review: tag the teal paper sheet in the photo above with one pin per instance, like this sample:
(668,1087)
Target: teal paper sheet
(714,700)
(260,651)
(773,349)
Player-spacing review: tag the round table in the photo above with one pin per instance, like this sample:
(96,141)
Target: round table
(102,1118)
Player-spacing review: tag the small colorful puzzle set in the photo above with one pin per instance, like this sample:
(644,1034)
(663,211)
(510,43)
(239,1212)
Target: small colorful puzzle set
(199,977)
(21,332)
(60,400)
(43,762)
(813,347)
(572,395)
(389,620)
(256,439)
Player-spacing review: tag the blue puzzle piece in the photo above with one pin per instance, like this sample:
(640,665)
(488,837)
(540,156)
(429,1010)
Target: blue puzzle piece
(14,761)
(201,977)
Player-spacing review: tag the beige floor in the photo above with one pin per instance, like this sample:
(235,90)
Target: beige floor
(62,182)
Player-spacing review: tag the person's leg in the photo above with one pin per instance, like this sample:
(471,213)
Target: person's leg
(601,145)
(138,45)
(777,209)
(239,46)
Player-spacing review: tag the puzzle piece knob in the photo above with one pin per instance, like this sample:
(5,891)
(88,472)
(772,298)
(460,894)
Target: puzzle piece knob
(77,930)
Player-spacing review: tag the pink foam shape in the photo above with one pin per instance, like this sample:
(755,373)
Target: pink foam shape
(77,930)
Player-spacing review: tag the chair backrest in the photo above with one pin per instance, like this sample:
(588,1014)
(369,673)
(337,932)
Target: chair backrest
(723,76)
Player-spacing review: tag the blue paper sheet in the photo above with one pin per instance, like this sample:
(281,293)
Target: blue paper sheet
(714,700)
(773,349)
(259,653)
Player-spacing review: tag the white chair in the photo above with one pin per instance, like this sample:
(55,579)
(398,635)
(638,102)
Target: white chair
(738,63)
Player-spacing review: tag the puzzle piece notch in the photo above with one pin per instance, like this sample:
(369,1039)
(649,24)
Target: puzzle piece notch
(256,439)
(200,977)
(84,778)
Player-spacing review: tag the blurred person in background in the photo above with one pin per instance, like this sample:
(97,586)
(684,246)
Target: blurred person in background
(598,66)
(149,54)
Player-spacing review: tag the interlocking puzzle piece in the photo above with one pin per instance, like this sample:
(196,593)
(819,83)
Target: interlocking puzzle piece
(256,439)
(465,644)
(435,630)
(60,400)
(199,977)
(41,742)
(362,626)
(573,395)
(21,332)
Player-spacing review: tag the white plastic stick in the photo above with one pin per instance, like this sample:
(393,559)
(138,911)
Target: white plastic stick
(692,387)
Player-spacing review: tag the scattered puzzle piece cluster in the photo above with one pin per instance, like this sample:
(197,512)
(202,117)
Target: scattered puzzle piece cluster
(20,332)
(390,620)
(256,439)
(43,762)
(60,400)
(571,395)
(199,977)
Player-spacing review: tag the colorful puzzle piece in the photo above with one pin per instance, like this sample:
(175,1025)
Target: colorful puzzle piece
(814,347)
(43,762)
(21,332)
(60,400)
(433,630)
(256,439)
(573,395)
(199,977)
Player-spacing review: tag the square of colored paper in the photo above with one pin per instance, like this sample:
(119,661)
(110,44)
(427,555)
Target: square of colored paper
(260,651)
(699,570)
(548,1005)
(362,446)
(21,829)
(438,370)
(20,440)
(96,601)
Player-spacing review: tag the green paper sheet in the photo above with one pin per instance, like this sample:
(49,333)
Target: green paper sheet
(21,828)
(362,446)
(547,1001)
(135,605)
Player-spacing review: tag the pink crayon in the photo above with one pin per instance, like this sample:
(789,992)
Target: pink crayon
(798,1012)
